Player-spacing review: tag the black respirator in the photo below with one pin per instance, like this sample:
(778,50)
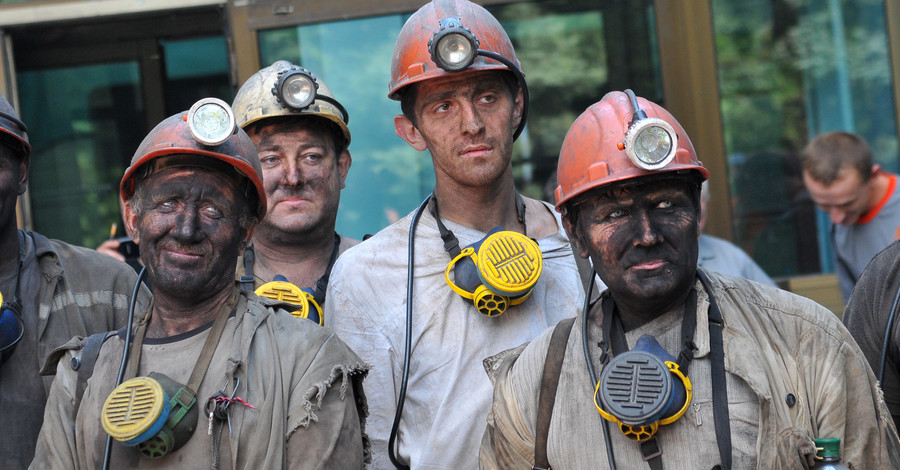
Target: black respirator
(642,389)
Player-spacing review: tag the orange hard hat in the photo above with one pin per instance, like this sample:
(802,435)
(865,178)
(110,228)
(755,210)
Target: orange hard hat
(218,139)
(412,61)
(452,37)
(14,129)
(623,137)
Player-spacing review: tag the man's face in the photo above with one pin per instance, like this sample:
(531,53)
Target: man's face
(642,240)
(467,122)
(302,176)
(188,231)
(13,181)
(845,200)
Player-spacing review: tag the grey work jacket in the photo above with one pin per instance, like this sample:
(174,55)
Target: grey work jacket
(778,343)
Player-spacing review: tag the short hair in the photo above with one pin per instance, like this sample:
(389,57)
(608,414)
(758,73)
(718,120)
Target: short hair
(409,93)
(313,123)
(825,155)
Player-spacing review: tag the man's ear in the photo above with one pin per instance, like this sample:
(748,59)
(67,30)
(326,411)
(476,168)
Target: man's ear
(22,183)
(579,247)
(876,168)
(519,108)
(407,131)
(129,216)
(247,236)
(344,162)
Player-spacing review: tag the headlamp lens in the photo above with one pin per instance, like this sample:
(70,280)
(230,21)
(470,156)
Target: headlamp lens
(455,51)
(211,121)
(651,143)
(298,90)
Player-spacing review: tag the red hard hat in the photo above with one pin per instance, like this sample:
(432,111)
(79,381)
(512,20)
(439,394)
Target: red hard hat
(600,147)
(412,61)
(13,127)
(173,136)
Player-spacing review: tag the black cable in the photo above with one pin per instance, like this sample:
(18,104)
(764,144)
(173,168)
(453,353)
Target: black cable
(408,346)
(638,112)
(590,365)
(522,85)
(128,329)
(887,337)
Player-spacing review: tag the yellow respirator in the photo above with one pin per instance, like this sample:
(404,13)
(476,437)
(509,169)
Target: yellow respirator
(498,271)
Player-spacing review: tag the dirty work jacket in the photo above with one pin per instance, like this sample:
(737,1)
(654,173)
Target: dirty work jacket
(305,385)
(67,291)
(777,343)
(448,394)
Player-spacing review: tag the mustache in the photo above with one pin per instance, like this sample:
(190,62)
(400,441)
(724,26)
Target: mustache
(172,245)
(639,255)
(304,189)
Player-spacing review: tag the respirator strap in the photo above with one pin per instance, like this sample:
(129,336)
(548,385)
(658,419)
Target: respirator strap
(209,347)
(322,283)
(212,341)
(688,327)
(247,280)
(614,340)
(451,243)
(719,386)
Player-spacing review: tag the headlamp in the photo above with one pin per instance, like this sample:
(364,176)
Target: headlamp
(453,47)
(302,300)
(211,121)
(650,143)
(297,90)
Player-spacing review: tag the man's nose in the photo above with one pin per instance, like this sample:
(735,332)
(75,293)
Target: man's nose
(187,227)
(648,233)
(837,216)
(472,122)
(293,173)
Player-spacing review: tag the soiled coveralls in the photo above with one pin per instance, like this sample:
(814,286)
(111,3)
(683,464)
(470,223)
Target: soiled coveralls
(793,373)
(855,245)
(866,316)
(722,256)
(305,385)
(448,395)
(65,291)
